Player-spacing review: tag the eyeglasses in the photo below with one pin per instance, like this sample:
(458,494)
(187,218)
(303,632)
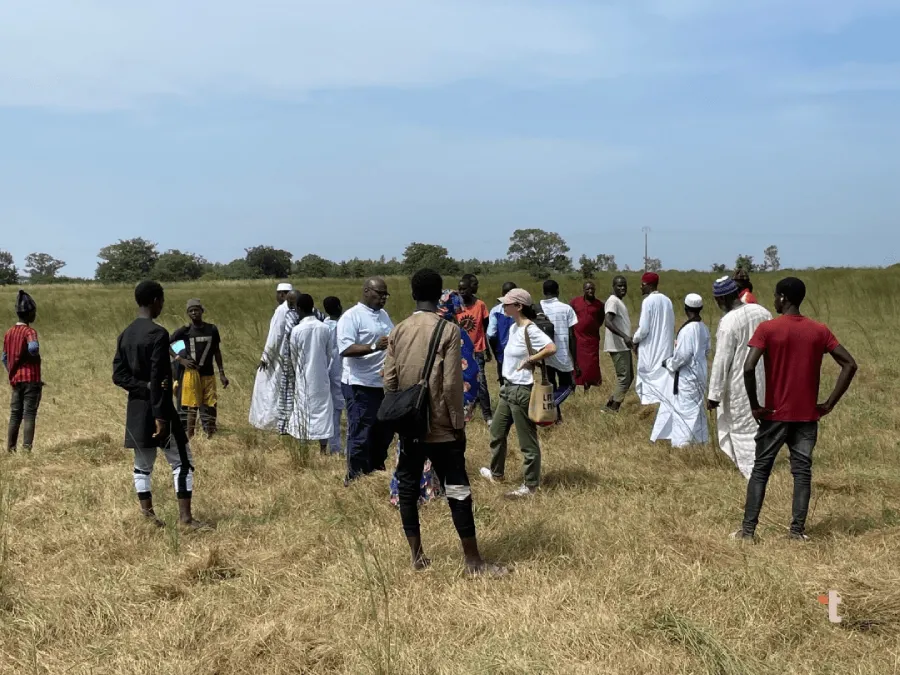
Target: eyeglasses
(381,294)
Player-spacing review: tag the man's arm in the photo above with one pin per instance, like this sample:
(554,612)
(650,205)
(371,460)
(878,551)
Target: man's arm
(750,383)
(848,372)
(122,376)
(220,365)
(573,350)
(350,349)
(391,379)
(643,325)
(160,374)
(720,373)
(453,378)
(684,352)
(614,329)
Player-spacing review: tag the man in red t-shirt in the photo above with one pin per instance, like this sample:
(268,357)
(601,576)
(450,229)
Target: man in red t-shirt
(474,319)
(22,360)
(793,347)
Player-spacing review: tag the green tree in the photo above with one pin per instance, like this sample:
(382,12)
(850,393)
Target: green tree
(42,267)
(126,261)
(607,263)
(540,253)
(772,260)
(588,267)
(9,273)
(271,262)
(744,262)
(418,256)
(173,265)
(652,264)
(312,266)
(718,268)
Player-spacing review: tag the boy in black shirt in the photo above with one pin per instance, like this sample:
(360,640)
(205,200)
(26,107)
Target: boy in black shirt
(141,367)
(197,386)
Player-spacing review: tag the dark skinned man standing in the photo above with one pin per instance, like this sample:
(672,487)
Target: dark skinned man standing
(362,334)
(618,343)
(793,347)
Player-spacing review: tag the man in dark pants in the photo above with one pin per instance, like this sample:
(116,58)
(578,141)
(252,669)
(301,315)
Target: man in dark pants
(141,367)
(793,347)
(362,340)
(22,360)
(445,443)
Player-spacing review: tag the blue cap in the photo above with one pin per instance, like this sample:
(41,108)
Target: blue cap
(724,286)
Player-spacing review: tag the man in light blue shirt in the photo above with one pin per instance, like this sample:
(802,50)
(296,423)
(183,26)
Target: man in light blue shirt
(498,330)
(362,335)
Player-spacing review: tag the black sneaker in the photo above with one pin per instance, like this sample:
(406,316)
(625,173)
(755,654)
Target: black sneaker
(739,535)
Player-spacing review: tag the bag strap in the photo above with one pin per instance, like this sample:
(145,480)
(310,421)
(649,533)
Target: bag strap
(531,352)
(432,351)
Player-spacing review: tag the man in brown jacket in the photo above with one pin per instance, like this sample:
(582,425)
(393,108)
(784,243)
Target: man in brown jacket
(445,444)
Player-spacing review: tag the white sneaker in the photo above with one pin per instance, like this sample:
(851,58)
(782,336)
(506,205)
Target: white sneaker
(521,492)
(487,474)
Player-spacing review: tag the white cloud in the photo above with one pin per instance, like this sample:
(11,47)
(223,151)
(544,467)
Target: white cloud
(100,53)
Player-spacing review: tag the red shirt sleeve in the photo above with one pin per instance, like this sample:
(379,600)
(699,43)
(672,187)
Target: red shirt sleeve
(759,336)
(830,341)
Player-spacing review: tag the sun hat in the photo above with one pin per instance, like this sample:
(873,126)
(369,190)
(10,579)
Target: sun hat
(517,296)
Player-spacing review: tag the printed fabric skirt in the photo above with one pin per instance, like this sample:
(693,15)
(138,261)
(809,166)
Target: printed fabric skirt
(429,488)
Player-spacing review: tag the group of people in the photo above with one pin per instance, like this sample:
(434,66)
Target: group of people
(317,365)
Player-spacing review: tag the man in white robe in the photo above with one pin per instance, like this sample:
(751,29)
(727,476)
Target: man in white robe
(264,404)
(727,394)
(310,358)
(653,341)
(334,310)
(681,418)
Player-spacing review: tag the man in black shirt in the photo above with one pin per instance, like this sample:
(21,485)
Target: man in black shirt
(141,367)
(197,388)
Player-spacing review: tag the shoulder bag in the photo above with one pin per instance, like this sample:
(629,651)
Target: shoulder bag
(408,412)
(542,405)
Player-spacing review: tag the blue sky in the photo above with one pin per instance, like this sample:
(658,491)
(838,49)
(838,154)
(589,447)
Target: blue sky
(351,128)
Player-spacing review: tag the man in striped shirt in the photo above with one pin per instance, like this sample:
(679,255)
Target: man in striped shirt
(22,360)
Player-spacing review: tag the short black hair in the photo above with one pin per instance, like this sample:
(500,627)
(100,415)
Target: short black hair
(508,286)
(305,303)
(551,287)
(427,286)
(332,305)
(25,317)
(793,289)
(147,292)
(469,278)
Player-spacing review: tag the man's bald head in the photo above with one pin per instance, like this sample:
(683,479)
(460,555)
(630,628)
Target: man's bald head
(292,298)
(375,293)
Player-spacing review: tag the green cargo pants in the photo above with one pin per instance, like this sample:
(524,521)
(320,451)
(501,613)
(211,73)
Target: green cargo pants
(513,410)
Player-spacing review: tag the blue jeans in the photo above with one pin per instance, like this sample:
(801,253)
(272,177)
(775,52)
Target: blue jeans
(367,439)
(484,394)
(800,438)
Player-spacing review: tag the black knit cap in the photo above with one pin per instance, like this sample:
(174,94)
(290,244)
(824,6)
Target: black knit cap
(24,303)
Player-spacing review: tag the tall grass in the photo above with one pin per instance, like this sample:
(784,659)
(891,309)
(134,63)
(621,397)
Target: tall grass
(622,563)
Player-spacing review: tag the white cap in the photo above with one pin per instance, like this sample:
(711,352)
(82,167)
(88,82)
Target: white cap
(694,301)
(287,288)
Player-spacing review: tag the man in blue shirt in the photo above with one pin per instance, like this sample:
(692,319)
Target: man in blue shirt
(362,335)
(498,330)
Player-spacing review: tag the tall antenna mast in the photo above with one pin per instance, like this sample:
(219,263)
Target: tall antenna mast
(646,231)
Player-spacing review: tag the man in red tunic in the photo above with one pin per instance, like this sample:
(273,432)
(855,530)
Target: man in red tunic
(590,313)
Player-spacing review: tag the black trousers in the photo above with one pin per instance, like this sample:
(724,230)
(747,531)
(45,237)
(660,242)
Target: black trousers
(448,461)
(563,385)
(368,439)
(800,438)
(24,402)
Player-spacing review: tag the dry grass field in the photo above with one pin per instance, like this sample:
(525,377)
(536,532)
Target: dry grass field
(622,564)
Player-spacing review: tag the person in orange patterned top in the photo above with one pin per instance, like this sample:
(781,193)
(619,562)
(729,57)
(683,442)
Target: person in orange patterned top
(474,318)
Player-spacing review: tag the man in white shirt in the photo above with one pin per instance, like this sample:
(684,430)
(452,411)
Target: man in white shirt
(735,423)
(266,389)
(618,343)
(362,334)
(654,341)
(310,354)
(334,310)
(563,364)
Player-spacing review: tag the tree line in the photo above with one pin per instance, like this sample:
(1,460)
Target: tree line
(539,253)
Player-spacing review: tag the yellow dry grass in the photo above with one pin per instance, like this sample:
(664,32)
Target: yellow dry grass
(622,563)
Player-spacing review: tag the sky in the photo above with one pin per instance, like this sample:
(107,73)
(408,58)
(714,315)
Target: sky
(350,128)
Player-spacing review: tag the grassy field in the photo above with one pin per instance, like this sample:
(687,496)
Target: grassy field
(622,564)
